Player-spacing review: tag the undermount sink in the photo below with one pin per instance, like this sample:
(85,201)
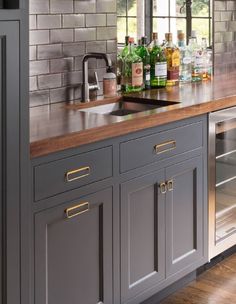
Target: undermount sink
(126,107)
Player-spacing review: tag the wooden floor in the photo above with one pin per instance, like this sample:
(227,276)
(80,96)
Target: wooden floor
(215,286)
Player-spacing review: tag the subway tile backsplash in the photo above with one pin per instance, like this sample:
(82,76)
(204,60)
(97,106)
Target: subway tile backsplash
(61,32)
(224,36)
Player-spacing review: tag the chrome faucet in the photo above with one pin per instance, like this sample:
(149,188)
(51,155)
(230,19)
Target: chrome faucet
(86,88)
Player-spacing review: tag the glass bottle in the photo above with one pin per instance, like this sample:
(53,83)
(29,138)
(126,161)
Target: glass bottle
(144,54)
(207,60)
(153,42)
(133,70)
(138,47)
(158,64)
(185,72)
(196,58)
(173,61)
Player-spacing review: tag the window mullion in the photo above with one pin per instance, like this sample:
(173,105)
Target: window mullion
(188,18)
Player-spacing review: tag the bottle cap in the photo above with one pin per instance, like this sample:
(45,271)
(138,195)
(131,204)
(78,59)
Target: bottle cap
(131,40)
(154,36)
(179,32)
(194,34)
(144,40)
(181,36)
(168,36)
(126,40)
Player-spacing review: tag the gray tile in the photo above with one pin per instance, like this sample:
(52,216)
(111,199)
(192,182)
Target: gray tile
(39,37)
(232,26)
(111,19)
(61,35)
(32,52)
(48,21)
(85,34)
(94,46)
(49,51)
(111,46)
(85,6)
(61,6)
(106,6)
(49,81)
(39,67)
(231,5)
(72,21)
(62,94)
(72,78)
(78,63)
(106,33)
(61,65)
(32,22)
(220,5)
(78,93)
(95,20)
(39,6)
(221,26)
(74,49)
(226,16)
(39,98)
(33,83)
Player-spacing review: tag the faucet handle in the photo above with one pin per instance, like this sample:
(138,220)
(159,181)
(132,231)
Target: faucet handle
(96,80)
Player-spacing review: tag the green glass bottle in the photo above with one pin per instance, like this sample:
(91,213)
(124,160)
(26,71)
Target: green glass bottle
(144,54)
(123,53)
(158,64)
(133,70)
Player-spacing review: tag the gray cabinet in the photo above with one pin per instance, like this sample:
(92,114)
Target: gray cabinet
(142,234)
(10,162)
(184,215)
(73,251)
(161,226)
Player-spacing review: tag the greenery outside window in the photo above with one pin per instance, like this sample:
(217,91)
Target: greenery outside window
(142,17)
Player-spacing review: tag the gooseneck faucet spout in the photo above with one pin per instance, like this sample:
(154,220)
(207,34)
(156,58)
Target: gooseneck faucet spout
(86,86)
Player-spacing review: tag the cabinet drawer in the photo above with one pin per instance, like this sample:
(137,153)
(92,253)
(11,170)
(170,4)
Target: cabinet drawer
(66,174)
(145,150)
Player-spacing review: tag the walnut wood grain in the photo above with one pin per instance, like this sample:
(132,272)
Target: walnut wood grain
(58,127)
(216,285)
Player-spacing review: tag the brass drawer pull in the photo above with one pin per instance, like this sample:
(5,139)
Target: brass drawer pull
(77,210)
(170,185)
(75,174)
(163,188)
(165,147)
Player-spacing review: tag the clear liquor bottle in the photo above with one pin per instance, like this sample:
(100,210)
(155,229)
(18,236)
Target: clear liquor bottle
(207,61)
(144,54)
(158,64)
(197,58)
(173,61)
(133,70)
(185,72)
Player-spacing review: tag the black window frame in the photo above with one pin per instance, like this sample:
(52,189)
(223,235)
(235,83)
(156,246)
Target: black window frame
(149,18)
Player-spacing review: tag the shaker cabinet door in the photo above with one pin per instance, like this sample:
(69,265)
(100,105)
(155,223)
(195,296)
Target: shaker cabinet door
(184,215)
(142,234)
(73,252)
(9,162)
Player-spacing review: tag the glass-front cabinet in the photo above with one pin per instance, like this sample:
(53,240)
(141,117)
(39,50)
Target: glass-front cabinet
(222,181)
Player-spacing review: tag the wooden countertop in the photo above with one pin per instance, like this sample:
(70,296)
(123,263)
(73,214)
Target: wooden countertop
(58,127)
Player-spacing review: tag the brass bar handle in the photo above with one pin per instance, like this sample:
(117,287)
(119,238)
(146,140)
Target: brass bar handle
(77,174)
(163,188)
(77,210)
(170,185)
(165,146)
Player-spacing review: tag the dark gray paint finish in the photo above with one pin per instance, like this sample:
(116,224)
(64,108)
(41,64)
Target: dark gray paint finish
(73,257)
(141,151)
(10,97)
(50,178)
(184,215)
(115,181)
(142,234)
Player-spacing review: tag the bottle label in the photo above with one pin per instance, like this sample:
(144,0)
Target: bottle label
(137,74)
(187,60)
(173,74)
(147,76)
(161,69)
(176,58)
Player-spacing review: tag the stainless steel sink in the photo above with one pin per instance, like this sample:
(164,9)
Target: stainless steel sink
(126,107)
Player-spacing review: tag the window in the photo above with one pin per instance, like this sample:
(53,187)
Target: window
(139,17)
